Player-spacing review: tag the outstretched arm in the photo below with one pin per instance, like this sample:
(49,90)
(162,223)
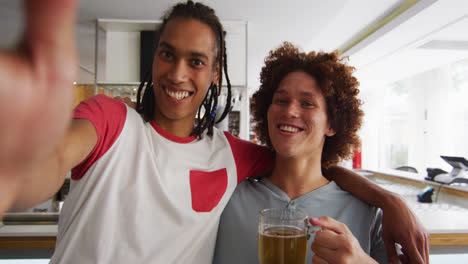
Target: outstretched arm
(400,225)
(35,106)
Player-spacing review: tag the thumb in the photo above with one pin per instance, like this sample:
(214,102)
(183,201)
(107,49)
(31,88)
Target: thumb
(392,255)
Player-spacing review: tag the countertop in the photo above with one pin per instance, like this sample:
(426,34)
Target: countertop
(447,218)
(28,230)
(418,177)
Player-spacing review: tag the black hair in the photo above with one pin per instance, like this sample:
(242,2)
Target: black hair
(145,96)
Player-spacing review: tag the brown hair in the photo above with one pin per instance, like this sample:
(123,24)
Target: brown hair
(338,86)
(145,96)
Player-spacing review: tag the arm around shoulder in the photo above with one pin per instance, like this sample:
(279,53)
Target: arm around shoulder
(359,186)
(31,184)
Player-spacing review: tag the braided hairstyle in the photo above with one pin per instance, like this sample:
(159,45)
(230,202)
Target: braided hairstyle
(145,95)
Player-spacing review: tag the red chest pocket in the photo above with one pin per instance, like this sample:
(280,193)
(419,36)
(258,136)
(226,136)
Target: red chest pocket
(208,187)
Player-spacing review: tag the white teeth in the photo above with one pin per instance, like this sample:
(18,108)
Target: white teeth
(177,95)
(289,129)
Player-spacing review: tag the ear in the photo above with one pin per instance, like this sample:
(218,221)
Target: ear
(216,74)
(330,131)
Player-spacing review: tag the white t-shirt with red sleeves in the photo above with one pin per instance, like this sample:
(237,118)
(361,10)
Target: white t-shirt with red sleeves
(146,196)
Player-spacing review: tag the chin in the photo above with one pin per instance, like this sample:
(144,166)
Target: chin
(285,152)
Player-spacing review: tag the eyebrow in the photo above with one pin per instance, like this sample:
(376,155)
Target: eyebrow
(191,53)
(280,91)
(307,94)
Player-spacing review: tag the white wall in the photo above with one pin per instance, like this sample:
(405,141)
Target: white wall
(123,57)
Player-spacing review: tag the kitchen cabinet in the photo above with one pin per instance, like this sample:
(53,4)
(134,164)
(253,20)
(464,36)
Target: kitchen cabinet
(122,50)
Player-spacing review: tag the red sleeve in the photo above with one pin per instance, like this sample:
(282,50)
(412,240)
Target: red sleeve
(250,158)
(108,118)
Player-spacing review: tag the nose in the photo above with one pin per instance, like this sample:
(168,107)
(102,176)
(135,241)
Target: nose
(292,110)
(178,72)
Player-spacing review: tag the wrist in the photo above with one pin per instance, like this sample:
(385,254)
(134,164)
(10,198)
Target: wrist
(365,258)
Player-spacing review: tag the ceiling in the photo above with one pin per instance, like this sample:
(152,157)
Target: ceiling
(435,36)
(311,24)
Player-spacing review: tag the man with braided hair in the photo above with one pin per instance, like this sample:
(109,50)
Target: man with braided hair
(148,186)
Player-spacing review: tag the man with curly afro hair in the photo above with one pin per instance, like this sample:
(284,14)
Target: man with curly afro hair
(335,81)
(308,114)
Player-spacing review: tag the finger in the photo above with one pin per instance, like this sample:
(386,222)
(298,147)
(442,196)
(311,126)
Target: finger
(318,260)
(331,224)
(426,251)
(325,253)
(327,239)
(413,254)
(50,35)
(392,254)
(403,259)
(420,250)
(423,246)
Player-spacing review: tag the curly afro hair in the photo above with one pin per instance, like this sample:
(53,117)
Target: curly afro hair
(337,85)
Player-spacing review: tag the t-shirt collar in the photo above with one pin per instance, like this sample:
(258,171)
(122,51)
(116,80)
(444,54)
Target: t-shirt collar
(171,137)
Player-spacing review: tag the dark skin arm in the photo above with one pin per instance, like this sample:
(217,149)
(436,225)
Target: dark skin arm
(398,220)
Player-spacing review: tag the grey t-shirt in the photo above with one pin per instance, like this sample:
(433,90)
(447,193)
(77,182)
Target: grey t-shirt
(237,233)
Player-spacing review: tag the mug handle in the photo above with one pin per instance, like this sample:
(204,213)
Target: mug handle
(311,230)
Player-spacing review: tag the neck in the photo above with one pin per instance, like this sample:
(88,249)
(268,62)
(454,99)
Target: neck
(179,128)
(297,176)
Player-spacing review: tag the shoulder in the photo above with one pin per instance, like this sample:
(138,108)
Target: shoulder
(101,108)
(104,113)
(335,193)
(108,116)
(250,158)
(101,103)
(246,148)
(238,142)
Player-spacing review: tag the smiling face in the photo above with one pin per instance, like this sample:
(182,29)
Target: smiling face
(297,117)
(183,70)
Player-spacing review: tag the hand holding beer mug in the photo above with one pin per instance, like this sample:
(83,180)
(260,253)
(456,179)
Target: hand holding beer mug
(282,236)
(337,244)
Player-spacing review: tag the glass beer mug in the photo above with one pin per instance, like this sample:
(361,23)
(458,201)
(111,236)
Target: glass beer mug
(282,236)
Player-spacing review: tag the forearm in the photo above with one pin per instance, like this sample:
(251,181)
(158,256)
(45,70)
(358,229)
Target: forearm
(37,181)
(359,186)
